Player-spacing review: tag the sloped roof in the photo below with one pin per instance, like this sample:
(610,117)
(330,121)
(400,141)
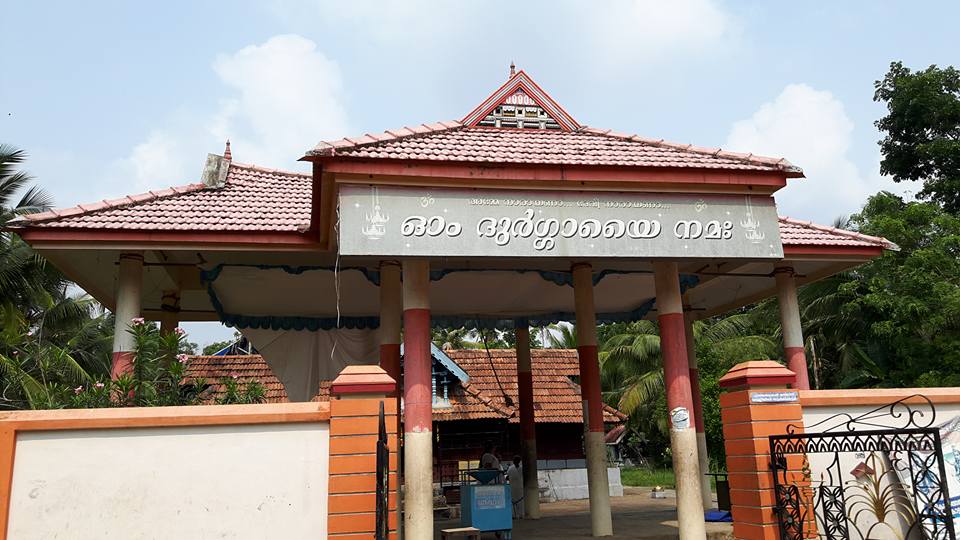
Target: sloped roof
(556,397)
(570,144)
(256,199)
(245,368)
(453,142)
(252,199)
(806,233)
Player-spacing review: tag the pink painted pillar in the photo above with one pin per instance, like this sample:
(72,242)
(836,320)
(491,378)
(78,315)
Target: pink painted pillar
(676,374)
(417,401)
(790,325)
(598,483)
(129,285)
(391,319)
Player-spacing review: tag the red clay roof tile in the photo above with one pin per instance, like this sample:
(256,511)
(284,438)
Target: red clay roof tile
(453,142)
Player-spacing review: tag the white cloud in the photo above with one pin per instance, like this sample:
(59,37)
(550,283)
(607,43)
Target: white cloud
(280,97)
(630,31)
(290,96)
(810,128)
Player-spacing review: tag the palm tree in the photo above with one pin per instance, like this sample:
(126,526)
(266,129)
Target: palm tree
(51,336)
(632,366)
(561,336)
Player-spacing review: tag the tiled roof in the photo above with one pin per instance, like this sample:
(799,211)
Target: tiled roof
(266,200)
(253,199)
(556,397)
(795,232)
(246,368)
(453,142)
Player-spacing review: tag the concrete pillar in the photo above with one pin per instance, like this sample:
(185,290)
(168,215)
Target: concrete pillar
(790,325)
(598,483)
(702,455)
(129,284)
(391,319)
(528,428)
(676,374)
(418,402)
(170,311)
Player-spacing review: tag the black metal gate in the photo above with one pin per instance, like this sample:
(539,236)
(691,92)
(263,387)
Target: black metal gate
(383,480)
(858,478)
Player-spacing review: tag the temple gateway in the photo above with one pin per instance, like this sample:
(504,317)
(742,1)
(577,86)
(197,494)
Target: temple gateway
(516,215)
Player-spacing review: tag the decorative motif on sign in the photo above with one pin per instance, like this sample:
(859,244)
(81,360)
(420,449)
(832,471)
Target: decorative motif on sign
(376,226)
(700,206)
(751,225)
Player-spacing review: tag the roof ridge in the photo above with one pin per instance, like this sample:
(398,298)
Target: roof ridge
(105,204)
(781,163)
(843,232)
(268,169)
(329,148)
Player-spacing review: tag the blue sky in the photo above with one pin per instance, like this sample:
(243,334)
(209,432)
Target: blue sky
(110,98)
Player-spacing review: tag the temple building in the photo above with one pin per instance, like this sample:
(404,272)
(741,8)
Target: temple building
(516,215)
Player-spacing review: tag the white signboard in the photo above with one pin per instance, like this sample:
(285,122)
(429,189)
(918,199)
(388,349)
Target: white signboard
(408,221)
(773,397)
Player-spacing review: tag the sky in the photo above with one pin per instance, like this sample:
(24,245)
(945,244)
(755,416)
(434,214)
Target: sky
(114,98)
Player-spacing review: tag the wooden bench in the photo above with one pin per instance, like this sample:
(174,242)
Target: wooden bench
(470,533)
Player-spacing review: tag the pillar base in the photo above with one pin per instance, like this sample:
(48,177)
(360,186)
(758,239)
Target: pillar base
(598,484)
(418,484)
(686,468)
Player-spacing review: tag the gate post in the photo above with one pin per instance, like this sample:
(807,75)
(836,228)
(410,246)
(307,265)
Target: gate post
(355,398)
(757,404)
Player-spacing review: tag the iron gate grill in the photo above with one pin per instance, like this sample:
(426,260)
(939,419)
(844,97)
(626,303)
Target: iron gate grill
(383,480)
(898,483)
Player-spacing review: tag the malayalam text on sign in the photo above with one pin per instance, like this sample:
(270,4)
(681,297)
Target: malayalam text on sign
(407,221)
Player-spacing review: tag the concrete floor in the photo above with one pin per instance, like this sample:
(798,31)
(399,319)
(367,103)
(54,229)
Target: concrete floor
(635,515)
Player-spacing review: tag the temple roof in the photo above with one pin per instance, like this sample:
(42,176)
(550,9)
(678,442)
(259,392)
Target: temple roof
(256,199)
(519,123)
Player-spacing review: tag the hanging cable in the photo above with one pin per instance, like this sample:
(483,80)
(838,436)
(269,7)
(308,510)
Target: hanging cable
(506,399)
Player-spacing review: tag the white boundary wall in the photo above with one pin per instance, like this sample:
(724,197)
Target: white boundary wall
(219,481)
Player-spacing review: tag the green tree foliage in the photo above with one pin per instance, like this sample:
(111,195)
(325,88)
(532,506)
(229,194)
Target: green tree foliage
(922,130)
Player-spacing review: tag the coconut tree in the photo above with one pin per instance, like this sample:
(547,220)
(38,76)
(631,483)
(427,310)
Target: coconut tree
(52,334)
(632,365)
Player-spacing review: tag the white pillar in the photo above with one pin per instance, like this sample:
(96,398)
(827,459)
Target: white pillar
(598,484)
(528,427)
(790,325)
(676,375)
(129,285)
(418,402)
(702,455)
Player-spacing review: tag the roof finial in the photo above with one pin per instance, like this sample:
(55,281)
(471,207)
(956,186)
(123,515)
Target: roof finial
(513,69)
(226,153)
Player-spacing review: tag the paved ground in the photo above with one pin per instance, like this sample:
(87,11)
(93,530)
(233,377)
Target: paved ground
(635,515)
